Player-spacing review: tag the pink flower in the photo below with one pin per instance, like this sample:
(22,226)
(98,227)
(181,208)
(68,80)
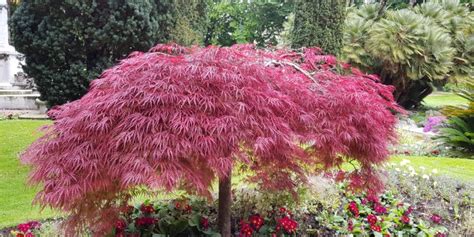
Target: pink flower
(409,211)
(439,234)
(380,209)
(436,219)
(350,225)
(372,219)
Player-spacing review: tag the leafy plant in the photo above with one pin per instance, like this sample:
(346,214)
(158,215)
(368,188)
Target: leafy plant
(411,48)
(181,217)
(459,130)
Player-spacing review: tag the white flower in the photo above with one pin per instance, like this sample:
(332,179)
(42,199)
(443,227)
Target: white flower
(434,171)
(404,162)
(397,169)
(426,176)
(422,168)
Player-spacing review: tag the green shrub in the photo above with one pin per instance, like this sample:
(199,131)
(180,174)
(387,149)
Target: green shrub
(68,43)
(412,48)
(320,24)
(459,130)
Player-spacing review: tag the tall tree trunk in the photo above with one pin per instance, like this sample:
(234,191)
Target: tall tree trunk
(225,203)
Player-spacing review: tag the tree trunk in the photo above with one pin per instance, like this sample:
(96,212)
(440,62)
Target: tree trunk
(225,203)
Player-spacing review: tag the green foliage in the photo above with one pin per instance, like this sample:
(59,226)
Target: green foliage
(258,22)
(459,132)
(68,43)
(411,48)
(190,22)
(320,24)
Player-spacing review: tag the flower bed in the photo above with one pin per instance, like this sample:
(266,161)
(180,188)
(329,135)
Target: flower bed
(414,204)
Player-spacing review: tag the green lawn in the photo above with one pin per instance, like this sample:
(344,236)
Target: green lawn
(440,99)
(16,196)
(461,169)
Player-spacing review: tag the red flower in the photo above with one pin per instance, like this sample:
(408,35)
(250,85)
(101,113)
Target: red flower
(282,209)
(147,209)
(24,227)
(439,234)
(177,205)
(120,226)
(436,219)
(20,235)
(256,221)
(188,208)
(288,225)
(372,219)
(350,225)
(204,223)
(380,209)
(405,219)
(245,229)
(435,152)
(145,221)
(376,228)
(29,234)
(354,209)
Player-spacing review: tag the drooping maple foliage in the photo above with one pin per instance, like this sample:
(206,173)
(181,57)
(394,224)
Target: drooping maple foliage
(178,117)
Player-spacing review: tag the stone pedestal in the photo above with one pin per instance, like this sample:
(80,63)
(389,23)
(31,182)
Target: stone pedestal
(14,93)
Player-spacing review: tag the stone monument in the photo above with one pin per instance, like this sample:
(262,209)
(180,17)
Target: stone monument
(15,91)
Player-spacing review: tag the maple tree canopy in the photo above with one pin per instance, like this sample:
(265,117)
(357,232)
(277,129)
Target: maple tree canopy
(178,117)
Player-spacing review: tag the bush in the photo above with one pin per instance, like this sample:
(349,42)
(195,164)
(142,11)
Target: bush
(68,43)
(319,24)
(411,48)
(458,131)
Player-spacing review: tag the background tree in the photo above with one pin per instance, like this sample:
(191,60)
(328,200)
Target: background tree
(412,48)
(68,43)
(191,21)
(183,117)
(320,24)
(258,22)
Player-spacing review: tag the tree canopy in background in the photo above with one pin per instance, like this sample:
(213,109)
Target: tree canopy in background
(258,22)
(319,24)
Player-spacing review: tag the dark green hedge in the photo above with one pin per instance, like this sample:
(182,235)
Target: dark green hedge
(69,43)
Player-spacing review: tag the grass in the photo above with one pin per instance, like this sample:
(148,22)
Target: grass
(461,169)
(16,196)
(440,99)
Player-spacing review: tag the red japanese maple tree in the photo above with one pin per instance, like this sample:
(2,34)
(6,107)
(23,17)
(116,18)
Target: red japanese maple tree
(178,117)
